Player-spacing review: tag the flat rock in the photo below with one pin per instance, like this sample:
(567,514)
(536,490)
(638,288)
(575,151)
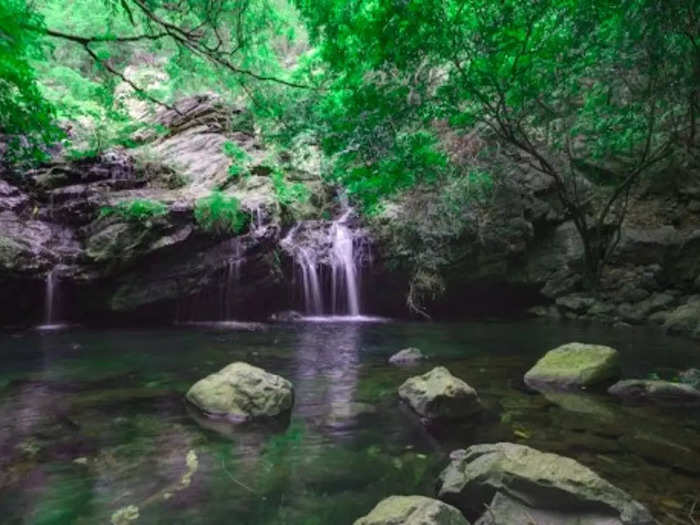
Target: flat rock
(242,392)
(407,356)
(412,510)
(558,489)
(440,395)
(574,365)
(656,391)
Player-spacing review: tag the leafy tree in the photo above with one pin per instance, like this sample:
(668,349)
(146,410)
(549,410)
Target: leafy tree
(592,94)
(26,119)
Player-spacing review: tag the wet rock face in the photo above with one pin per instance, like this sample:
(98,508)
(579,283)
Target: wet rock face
(123,265)
(412,510)
(438,395)
(243,392)
(654,391)
(516,481)
(574,365)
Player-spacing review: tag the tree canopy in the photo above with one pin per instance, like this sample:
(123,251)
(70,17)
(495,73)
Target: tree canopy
(396,93)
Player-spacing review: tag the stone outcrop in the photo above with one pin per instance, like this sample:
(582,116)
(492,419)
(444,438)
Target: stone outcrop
(412,510)
(440,395)
(242,392)
(516,481)
(574,365)
(167,267)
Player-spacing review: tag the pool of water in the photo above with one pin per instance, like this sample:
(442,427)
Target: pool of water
(94,428)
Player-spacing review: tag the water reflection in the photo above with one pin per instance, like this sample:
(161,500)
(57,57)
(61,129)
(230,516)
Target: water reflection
(327,359)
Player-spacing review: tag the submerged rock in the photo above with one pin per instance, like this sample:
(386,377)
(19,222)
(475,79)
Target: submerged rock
(656,391)
(440,395)
(663,451)
(412,510)
(516,481)
(286,316)
(574,365)
(691,377)
(407,356)
(242,392)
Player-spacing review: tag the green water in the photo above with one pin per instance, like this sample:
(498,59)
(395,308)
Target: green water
(92,422)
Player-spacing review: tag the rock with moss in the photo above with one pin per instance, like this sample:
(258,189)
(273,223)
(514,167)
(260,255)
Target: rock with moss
(412,510)
(242,392)
(684,320)
(656,391)
(515,481)
(407,356)
(440,395)
(574,365)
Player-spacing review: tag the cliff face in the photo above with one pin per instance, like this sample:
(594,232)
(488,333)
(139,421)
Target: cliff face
(51,222)
(515,249)
(509,251)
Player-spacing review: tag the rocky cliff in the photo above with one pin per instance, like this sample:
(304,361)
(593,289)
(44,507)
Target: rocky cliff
(452,252)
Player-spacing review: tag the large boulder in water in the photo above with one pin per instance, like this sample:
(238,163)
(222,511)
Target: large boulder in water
(242,392)
(412,510)
(440,395)
(656,391)
(574,365)
(517,481)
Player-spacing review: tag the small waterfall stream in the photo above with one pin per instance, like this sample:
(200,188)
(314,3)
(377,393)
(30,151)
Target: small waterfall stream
(232,281)
(49,306)
(52,302)
(327,262)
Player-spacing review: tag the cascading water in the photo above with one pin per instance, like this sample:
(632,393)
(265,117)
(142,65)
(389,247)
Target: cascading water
(233,279)
(344,276)
(50,289)
(51,302)
(328,266)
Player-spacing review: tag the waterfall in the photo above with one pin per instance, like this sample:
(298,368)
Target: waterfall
(343,264)
(313,301)
(232,280)
(49,298)
(327,266)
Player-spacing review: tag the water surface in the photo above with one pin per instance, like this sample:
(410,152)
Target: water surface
(92,422)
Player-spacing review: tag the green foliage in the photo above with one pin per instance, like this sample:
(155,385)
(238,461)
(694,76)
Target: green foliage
(287,193)
(137,211)
(219,213)
(238,156)
(25,117)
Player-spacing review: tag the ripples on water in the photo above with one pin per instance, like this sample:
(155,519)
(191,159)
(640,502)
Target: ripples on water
(92,422)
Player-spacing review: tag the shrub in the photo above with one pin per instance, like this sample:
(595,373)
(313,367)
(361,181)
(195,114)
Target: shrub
(238,157)
(137,210)
(218,213)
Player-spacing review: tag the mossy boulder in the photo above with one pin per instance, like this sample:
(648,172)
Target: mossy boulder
(574,365)
(412,510)
(517,480)
(440,395)
(243,392)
